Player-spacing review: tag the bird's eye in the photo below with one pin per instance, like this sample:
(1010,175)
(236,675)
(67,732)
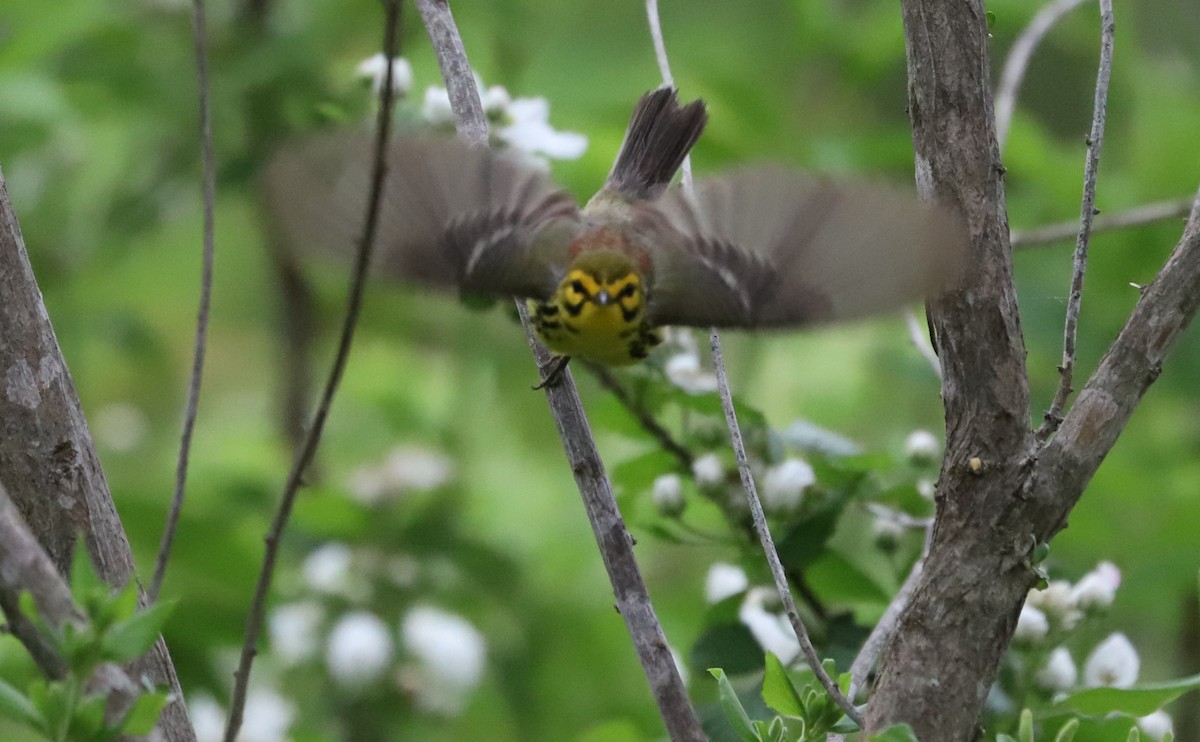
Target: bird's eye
(577,287)
(628,291)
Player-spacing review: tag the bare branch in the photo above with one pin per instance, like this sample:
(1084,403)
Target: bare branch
(1130,366)
(1135,217)
(304,455)
(664,68)
(616,545)
(47,457)
(768,543)
(209,177)
(456,71)
(1087,214)
(1018,61)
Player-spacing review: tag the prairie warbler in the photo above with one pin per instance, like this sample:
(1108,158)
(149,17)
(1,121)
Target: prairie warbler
(756,248)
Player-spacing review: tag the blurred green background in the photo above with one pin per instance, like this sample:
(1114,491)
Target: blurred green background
(98,144)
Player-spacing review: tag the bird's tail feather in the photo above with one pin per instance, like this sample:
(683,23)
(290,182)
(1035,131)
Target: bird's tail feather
(660,134)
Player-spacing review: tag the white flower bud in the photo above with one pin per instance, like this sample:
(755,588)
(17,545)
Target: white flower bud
(1032,625)
(668,495)
(207,717)
(436,107)
(293,631)
(1113,663)
(684,371)
(1057,602)
(784,485)
(709,472)
(1059,672)
(926,488)
(496,100)
(723,581)
(327,568)
(451,654)
(772,631)
(922,447)
(1156,726)
(267,716)
(1097,588)
(375,69)
(360,649)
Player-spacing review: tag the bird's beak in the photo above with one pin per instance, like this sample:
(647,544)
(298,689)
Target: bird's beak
(604,298)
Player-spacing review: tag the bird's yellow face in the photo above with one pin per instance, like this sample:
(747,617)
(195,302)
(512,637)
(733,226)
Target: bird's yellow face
(598,311)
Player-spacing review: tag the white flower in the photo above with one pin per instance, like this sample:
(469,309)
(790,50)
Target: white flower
(1032,625)
(121,426)
(685,372)
(926,488)
(1156,726)
(1059,673)
(1097,588)
(375,69)
(922,447)
(451,654)
(1113,663)
(267,716)
(723,581)
(495,100)
(784,485)
(529,130)
(208,718)
(887,530)
(772,631)
(405,468)
(1057,602)
(360,649)
(293,630)
(327,568)
(668,495)
(436,107)
(708,471)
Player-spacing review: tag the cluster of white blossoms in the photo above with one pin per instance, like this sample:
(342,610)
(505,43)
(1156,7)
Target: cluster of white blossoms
(443,654)
(406,468)
(267,716)
(782,485)
(1050,615)
(522,124)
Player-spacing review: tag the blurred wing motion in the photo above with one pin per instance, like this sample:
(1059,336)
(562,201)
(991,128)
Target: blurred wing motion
(452,215)
(768,247)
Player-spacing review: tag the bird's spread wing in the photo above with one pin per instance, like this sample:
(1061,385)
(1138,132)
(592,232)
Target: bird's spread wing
(452,215)
(768,247)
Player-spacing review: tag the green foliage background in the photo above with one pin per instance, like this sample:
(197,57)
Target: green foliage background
(98,144)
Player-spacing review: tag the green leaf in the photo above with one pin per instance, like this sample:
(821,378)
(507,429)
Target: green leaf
(1067,732)
(1025,726)
(1137,701)
(837,580)
(1005,738)
(129,639)
(88,719)
(1134,735)
(806,542)
(143,715)
(86,585)
(14,705)
(896,733)
(732,706)
(778,690)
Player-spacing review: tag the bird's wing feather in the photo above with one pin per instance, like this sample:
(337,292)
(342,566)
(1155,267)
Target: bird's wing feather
(765,247)
(452,215)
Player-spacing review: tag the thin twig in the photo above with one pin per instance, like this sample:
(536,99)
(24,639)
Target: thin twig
(1135,217)
(768,543)
(739,448)
(304,455)
(1053,416)
(1018,62)
(919,335)
(209,177)
(616,545)
(665,440)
